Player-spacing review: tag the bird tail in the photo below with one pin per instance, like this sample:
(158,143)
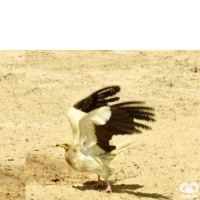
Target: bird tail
(120,147)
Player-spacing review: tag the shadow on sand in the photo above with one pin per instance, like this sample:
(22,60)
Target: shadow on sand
(123,188)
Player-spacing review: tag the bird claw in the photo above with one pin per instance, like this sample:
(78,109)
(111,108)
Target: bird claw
(108,189)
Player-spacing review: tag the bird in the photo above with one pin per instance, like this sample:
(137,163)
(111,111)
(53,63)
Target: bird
(94,121)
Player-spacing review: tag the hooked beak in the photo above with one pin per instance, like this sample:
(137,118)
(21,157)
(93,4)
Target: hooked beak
(61,145)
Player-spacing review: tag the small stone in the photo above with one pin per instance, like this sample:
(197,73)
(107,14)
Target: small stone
(55,180)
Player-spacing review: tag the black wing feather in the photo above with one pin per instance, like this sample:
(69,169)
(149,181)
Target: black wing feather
(98,99)
(123,121)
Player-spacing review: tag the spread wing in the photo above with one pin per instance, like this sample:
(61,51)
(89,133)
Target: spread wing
(98,127)
(94,122)
(126,118)
(95,100)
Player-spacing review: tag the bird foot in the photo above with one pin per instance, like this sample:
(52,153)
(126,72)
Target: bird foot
(108,189)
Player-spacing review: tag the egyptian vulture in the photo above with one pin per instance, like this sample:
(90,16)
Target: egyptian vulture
(94,122)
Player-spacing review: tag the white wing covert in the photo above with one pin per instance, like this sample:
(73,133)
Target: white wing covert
(74,115)
(88,138)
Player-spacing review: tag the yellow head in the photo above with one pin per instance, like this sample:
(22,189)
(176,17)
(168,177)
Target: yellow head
(65,145)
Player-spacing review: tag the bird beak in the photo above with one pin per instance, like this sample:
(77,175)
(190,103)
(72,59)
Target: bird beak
(60,145)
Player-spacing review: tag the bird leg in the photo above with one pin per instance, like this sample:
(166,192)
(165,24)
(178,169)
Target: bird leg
(108,189)
(98,184)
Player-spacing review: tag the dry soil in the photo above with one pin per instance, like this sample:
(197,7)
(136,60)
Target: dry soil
(38,87)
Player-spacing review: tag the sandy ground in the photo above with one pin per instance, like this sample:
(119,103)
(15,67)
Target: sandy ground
(38,87)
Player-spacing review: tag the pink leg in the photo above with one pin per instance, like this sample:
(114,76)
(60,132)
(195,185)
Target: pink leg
(108,189)
(98,184)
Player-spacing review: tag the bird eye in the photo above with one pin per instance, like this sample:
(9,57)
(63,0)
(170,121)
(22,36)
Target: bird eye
(66,145)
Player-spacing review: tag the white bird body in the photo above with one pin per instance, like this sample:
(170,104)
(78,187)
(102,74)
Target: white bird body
(86,163)
(94,122)
(84,155)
